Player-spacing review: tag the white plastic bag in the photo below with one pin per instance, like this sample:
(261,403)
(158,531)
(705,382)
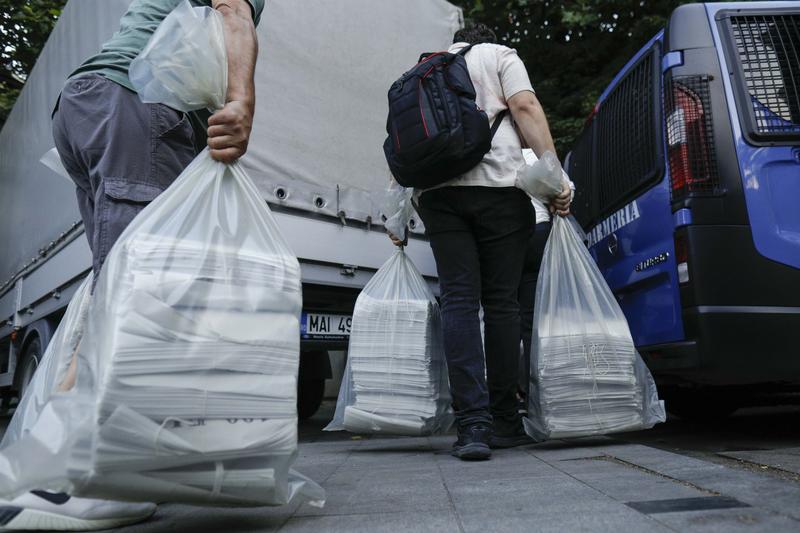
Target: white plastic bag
(586,376)
(53,366)
(398,209)
(543,179)
(395,381)
(181,64)
(187,370)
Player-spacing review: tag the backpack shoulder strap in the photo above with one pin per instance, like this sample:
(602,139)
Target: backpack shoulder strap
(497,121)
(502,114)
(464,50)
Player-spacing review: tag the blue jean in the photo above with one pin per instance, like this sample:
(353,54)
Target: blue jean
(479,236)
(120,153)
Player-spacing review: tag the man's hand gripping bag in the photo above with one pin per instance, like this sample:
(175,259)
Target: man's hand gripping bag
(586,377)
(187,370)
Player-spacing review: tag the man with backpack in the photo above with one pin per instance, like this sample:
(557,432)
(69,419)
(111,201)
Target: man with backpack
(477,221)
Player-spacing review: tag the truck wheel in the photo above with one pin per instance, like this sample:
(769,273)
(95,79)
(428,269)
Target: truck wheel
(28,365)
(309,397)
(699,405)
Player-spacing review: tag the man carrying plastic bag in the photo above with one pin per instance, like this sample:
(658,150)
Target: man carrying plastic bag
(586,377)
(172,348)
(543,179)
(395,381)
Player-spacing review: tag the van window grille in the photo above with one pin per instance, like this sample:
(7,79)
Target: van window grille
(627,136)
(580,172)
(690,136)
(768,48)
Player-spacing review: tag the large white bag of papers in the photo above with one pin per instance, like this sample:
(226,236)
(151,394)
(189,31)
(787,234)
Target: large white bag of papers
(395,380)
(586,376)
(187,369)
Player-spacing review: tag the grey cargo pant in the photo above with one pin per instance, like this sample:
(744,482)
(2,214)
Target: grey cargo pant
(120,153)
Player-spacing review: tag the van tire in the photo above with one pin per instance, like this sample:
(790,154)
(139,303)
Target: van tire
(310,393)
(30,361)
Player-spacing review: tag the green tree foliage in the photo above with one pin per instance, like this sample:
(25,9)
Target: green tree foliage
(24,28)
(572,48)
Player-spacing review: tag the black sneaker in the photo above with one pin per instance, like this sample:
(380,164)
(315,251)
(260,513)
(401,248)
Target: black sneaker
(473,443)
(507,438)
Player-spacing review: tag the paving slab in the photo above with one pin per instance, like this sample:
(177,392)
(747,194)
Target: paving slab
(385,490)
(635,486)
(787,459)
(506,466)
(518,495)
(598,519)
(175,517)
(410,522)
(756,489)
(729,521)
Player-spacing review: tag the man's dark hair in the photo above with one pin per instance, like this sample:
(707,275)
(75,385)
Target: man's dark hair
(475,34)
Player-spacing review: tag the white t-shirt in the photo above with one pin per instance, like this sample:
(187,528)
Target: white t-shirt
(497,73)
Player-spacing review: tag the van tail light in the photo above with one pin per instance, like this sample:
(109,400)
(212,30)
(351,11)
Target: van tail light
(690,140)
(682,258)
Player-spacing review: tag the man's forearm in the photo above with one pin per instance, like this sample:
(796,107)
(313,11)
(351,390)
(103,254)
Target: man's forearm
(229,128)
(241,45)
(536,133)
(532,123)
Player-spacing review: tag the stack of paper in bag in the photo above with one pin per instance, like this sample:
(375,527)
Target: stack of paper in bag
(199,390)
(188,354)
(396,378)
(587,385)
(394,382)
(586,377)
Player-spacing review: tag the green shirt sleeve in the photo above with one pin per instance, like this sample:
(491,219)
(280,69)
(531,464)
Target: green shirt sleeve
(258,7)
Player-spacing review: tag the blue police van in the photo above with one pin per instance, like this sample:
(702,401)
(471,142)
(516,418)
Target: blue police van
(688,187)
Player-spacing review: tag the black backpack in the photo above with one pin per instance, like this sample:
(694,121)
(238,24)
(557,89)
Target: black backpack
(436,130)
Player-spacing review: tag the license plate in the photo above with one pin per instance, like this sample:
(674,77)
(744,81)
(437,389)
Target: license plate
(327,327)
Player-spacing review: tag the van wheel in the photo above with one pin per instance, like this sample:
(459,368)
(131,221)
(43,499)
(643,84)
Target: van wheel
(310,393)
(28,365)
(699,405)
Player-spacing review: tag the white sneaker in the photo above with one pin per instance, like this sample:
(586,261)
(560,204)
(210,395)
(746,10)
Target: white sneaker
(53,511)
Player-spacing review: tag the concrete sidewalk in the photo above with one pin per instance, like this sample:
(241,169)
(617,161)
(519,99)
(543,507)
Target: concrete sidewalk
(413,484)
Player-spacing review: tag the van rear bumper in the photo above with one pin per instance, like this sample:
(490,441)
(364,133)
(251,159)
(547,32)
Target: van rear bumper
(731,345)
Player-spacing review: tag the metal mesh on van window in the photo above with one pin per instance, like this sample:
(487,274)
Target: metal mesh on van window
(580,172)
(626,137)
(690,136)
(769,54)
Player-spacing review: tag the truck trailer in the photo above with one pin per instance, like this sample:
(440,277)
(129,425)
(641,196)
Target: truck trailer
(315,155)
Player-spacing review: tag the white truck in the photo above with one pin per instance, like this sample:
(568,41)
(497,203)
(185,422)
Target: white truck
(315,154)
